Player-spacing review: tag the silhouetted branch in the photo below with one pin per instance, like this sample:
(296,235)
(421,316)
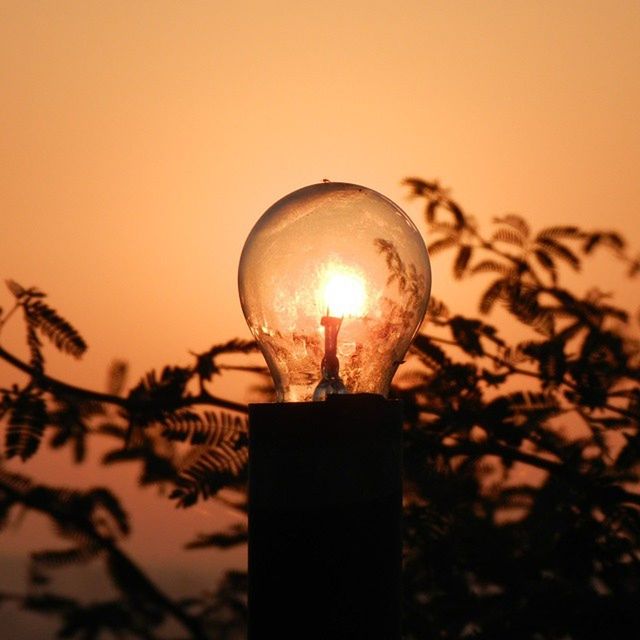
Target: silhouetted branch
(517,455)
(560,547)
(41,499)
(47,383)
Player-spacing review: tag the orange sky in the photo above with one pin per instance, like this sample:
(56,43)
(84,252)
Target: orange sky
(140,141)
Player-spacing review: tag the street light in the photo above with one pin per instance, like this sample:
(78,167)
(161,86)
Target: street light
(334,281)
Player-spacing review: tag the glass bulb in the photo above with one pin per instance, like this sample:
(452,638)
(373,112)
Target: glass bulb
(334,281)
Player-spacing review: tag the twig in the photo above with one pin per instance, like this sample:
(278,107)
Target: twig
(6,318)
(516,455)
(48,383)
(109,546)
(532,374)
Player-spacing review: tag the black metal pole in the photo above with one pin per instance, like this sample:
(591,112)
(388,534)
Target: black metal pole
(325,505)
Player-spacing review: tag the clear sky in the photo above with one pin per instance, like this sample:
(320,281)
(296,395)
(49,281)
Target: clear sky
(140,140)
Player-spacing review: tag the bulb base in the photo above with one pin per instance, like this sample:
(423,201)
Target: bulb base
(325,507)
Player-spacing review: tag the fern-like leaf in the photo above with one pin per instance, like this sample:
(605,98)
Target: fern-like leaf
(208,470)
(509,236)
(458,214)
(492,294)
(430,210)
(570,232)
(21,293)
(522,302)
(551,359)
(26,425)
(603,238)
(513,416)
(429,352)
(55,328)
(420,187)
(436,309)
(531,402)
(220,460)
(153,398)
(206,365)
(442,244)
(16,289)
(549,245)
(467,333)
(117,377)
(491,266)
(233,346)
(68,418)
(36,359)
(208,429)
(516,222)
(547,263)
(462,260)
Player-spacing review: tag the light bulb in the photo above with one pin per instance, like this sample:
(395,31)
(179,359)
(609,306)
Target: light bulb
(334,281)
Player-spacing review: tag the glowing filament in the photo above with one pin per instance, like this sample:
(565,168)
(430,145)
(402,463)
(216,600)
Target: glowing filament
(344,294)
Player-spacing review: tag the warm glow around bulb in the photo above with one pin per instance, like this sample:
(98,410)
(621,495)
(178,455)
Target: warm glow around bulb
(344,294)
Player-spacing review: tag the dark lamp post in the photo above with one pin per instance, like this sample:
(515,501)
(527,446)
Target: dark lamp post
(334,281)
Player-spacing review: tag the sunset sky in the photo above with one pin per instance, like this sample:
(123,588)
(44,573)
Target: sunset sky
(141,140)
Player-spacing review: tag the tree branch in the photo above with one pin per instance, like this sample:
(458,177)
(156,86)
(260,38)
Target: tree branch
(48,383)
(31,501)
(516,455)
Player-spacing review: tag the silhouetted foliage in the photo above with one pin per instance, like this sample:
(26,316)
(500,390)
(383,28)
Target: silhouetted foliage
(522,508)
(237,534)
(494,549)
